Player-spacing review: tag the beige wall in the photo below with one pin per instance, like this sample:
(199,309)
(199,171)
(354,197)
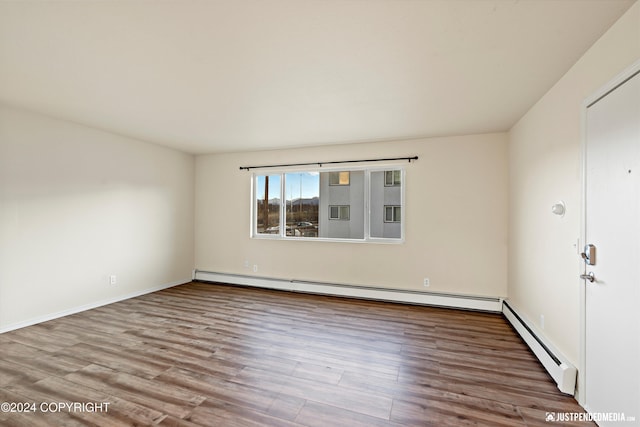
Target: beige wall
(456,216)
(77,205)
(544,162)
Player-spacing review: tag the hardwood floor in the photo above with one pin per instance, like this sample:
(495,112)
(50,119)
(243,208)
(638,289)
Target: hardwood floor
(214,355)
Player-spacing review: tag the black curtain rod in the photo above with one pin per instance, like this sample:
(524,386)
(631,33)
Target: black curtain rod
(320,164)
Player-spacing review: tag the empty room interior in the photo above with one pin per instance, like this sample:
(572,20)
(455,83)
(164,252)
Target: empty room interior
(315,213)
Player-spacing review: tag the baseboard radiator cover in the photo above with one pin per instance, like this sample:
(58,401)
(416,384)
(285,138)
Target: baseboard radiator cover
(560,369)
(464,302)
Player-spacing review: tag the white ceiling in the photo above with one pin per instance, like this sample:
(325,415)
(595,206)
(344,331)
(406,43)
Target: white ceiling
(231,75)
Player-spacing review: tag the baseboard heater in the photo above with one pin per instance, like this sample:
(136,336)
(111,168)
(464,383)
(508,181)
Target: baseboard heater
(560,369)
(465,302)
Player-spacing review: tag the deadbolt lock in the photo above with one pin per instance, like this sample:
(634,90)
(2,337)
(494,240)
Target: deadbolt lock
(589,254)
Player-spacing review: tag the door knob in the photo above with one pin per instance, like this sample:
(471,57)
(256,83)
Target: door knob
(589,276)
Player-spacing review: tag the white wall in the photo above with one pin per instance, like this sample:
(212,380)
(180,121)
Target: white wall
(457,184)
(544,162)
(77,205)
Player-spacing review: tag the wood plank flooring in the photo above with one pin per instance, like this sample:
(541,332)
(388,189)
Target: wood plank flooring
(214,355)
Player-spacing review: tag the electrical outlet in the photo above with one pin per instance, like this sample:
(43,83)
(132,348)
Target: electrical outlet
(255,268)
(112,279)
(542,321)
(426,282)
(246,263)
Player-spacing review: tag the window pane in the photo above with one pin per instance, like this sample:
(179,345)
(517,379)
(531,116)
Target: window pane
(343,178)
(386,204)
(267,218)
(302,203)
(342,206)
(388,178)
(334,212)
(344,212)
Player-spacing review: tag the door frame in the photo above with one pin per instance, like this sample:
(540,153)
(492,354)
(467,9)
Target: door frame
(613,84)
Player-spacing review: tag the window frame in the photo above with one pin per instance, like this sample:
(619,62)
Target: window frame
(282,235)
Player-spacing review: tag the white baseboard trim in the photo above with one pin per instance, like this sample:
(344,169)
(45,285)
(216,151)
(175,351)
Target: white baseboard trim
(560,369)
(465,302)
(74,310)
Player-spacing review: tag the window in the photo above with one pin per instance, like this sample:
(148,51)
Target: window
(339,178)
(353,205)
(392,178)
(339,212)
(392,214)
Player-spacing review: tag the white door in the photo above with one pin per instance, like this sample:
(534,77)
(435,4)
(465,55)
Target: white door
(612,226)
